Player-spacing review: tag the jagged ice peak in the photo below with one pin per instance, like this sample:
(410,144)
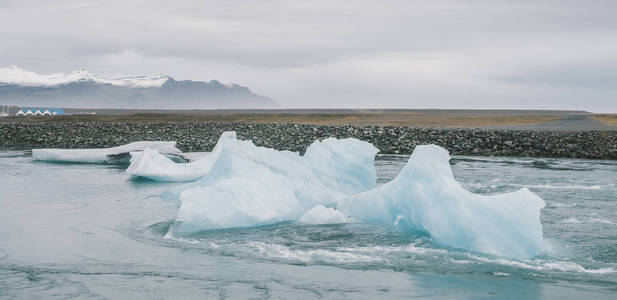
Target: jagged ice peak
(18,76)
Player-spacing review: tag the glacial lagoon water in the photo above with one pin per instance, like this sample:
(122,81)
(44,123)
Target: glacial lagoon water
(90,231)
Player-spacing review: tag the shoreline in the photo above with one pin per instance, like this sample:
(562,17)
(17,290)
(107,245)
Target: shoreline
(202,136)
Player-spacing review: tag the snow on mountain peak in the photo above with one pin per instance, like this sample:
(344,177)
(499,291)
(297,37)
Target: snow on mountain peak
(18,76)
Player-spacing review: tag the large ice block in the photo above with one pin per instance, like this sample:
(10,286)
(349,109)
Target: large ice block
(251,186)
(426,198)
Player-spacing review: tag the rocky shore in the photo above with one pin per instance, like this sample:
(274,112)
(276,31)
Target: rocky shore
(197,136)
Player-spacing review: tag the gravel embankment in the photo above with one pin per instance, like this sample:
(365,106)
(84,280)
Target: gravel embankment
(194,136)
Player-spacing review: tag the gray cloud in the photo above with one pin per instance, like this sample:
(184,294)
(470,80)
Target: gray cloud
(414,54)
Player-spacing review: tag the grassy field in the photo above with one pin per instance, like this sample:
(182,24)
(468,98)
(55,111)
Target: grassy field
(381,118)
(610,120)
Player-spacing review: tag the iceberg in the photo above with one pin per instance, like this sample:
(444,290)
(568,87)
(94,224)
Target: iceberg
(243,185)
(155,166)
(252,186)
(426,198)
(119,154)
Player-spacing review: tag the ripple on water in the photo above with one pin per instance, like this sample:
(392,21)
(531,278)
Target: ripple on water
(398,252)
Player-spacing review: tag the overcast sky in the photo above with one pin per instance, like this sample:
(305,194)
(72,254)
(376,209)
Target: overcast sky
(383,54)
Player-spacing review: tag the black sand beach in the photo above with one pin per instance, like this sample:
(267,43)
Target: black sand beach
(463,132)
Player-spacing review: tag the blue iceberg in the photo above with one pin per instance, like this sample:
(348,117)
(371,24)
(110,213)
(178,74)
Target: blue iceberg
(251,186)
(426,198)
(335,182)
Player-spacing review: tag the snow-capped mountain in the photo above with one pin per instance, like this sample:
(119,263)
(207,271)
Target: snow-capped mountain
(81,89)
(17,76)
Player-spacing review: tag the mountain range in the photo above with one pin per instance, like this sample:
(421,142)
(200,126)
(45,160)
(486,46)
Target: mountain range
(81,89)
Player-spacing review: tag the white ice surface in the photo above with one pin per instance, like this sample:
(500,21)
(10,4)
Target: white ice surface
(18,76)
(152,165)
(101,155)
(320,214)
(425,197)
(193,156)
(252,186)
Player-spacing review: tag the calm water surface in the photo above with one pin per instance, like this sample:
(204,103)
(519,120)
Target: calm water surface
(72,230)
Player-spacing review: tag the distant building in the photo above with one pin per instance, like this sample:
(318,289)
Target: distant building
(40,111)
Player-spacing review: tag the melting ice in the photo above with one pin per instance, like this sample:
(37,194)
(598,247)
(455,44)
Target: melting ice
(425,197)
(242,185)
(155,166)
(250,186)
(320,214)
(119,154)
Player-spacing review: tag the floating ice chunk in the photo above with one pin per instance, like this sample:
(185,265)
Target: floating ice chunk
(425,197)
(349,162)
(251,186)
(118,154)
(152,165)
(192,156)
(323,215)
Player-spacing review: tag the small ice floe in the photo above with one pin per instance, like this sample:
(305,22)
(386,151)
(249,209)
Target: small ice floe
(153,165)
(113,155)
(323,215)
